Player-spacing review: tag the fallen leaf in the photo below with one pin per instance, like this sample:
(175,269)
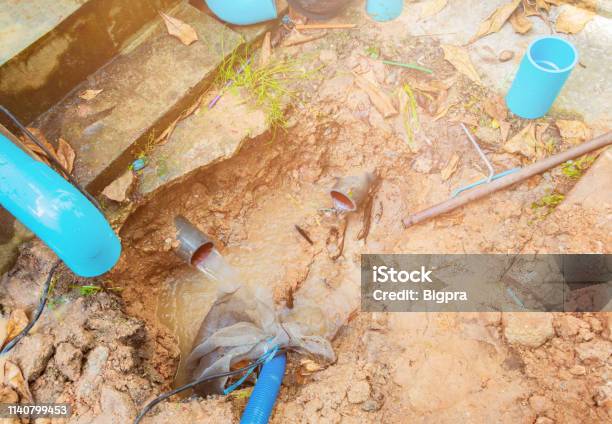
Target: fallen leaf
(523,142)
(65,154)
(34,148)
(495,107)
(118,189)
(11,376)
(504,130)
(3,330)
(18,320)
(572,19)
(519,22)
(179,29)
(266,50)
(89,94)
(437,87)
(496,20)
(540,130)
(460,59)
(573,131)
(450,167)
(381,100)
(431,8)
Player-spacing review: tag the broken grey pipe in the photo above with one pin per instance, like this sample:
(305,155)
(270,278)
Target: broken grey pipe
(349,192)
(194,246)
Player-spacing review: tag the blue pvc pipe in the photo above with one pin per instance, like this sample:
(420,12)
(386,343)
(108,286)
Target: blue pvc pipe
(264,395)
(544,69)
(243,12)
(384,10)
(54,210)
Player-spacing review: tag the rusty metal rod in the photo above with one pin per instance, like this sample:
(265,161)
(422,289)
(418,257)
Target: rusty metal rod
(527,172)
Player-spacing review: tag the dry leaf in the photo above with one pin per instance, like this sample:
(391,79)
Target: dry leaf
(519,21)
(179,29)
(572,19)
(3,330)
(266,50)
(65,154)
(450,167)
(495,107)
(118,189)
(12,377)
(16,323)
(33,147)
(89,94)
(496,20)
(539,132)
(381,100)
(460,59)
(523,142)
(504,130)
(433,86)
(574,131)
(431,8)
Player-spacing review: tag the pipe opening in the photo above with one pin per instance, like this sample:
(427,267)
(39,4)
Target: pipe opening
(342,201)
(201,253)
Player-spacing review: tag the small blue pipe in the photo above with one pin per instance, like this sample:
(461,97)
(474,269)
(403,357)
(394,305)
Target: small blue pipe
(243,12)
(264,395)
(58,213)
(384,10)
(546,65)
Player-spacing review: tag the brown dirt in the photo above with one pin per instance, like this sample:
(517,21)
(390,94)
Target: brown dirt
(109,352)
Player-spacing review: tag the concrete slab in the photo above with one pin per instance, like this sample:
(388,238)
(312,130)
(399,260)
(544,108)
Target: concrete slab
(24,22)
(459,21)
(144,90)
(206,137)
(49,47)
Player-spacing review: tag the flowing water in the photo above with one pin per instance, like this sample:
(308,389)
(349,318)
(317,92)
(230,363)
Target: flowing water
(184,302)
(272,254)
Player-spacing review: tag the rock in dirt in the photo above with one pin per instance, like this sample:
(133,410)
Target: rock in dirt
(595,351)
(569,326)
(32,354)
(68,360)
(540,404)
(603,395)
(506,55)
(92,373)
(528,329)
(370,405)
(116,406)
(359,392)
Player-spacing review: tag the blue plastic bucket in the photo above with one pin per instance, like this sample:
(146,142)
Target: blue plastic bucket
(243,12)
(544,69)
(384,10)
(54,210)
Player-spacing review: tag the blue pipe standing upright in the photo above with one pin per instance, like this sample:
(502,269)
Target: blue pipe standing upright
(54,210)
(264,395)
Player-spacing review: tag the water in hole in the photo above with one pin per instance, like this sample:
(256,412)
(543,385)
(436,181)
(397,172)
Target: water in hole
(185,301)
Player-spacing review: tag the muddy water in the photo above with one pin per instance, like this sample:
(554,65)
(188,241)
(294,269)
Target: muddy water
(272,254)
(186,299)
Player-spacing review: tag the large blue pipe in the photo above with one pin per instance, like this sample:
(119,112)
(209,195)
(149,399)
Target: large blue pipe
(264,395)
(243,12)
(54,210)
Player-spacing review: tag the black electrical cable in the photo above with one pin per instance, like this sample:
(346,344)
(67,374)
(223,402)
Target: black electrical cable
(50,156)
(194,383)
(39,311)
